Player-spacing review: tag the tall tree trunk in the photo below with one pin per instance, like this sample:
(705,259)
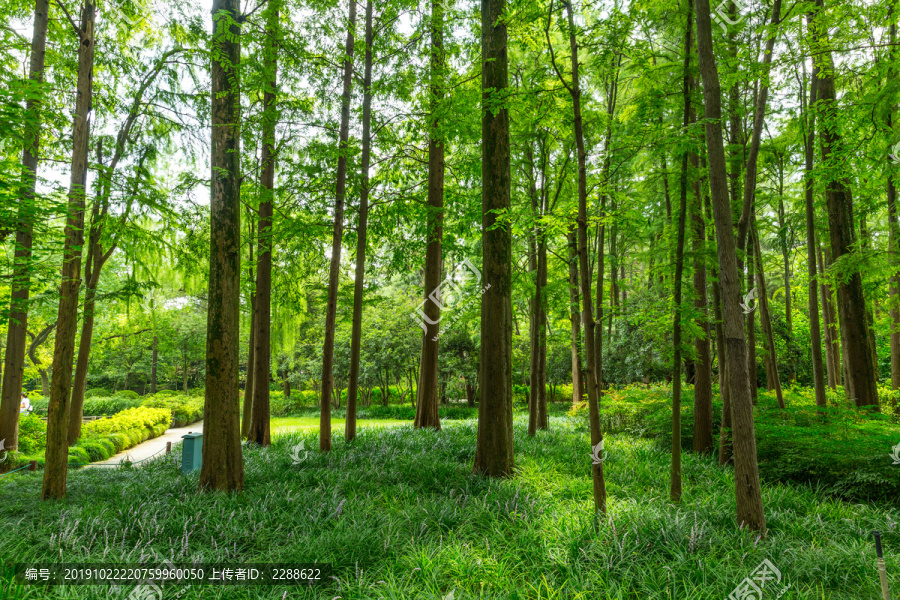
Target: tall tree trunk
(746,471)
(356,330)
(765,314)
(247,416)
(861,383)
(575,318)
(533,319)
(262,356)
(14,361)
(593,367)
(893,231)
(675,472)
(223,466)
(829,322)
(703,442)
(56,455)
(494,445)
(812,293)
(334,271)
(751,327)
(427,414)
(153,364)
(542,421)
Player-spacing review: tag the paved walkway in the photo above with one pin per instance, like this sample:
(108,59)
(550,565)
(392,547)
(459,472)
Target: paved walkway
(153,446)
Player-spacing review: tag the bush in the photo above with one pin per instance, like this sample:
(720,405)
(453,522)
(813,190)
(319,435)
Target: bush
(32,434)
(185,409)
(128,394)
(131,418)
(40,405)
(97,393)
(108,405)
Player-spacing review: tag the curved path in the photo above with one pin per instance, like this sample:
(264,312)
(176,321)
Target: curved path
(153,446)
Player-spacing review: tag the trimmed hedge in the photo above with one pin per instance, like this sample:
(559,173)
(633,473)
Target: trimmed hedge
(131,418)
(184,409)
(97,393)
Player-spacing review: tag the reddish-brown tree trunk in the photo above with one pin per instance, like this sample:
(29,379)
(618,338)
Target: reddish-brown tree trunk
(14,360)
(56,455)
(334,271)
(223,466)
(494,445)
(746,471)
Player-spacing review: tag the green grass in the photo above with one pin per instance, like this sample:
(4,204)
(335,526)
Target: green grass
(280,425)
(400,515)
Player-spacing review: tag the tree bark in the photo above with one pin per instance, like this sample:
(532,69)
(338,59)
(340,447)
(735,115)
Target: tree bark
(262,356)
(56,455)
(427,414)
(703,442)
(14,360)
(893,231)
(223,466)
(247,416)
(334,271)
(746,471)
(815,334)
(765,315)
(574,318)
(675,471)
(593,367)
(494,445)
(861,380)
(356,330)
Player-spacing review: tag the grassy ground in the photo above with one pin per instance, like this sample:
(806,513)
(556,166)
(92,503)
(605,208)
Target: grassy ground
(400,515)
(282,425)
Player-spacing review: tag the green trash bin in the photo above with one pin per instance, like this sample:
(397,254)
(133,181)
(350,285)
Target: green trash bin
(191,452)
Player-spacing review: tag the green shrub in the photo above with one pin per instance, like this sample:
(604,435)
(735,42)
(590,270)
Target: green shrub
(129,418)
(108,405)
(128,394)
(120,441)
(77,454)
(97,393)
(32,434)
(185,409)
(40,405)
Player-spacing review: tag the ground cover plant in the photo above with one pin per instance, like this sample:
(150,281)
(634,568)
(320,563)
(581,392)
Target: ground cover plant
(399,514)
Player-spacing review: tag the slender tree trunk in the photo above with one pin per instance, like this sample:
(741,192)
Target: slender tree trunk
(14,361)
(247,416)
(751,327)
(334,272)
(223,466)
(812,292)
(494,445)
(56,456)
(832,335)
(765,315)
(427,414)
(153,366)
(675,472)
(703,442)
(746,471)
(532,329)
(861,381)
(262,356)
(575,318)
(542,421)
(593,367)
(894,232)
(79,383)
(359,279)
